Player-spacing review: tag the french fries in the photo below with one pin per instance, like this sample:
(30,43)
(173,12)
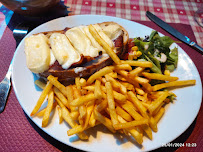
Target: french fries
(119,96)
(41,113)
(158,76)
(111,103)
(97,90)
(42,98)
(79,101)
(98,74)
(130,124)
(157,102)
(174,84)
(48,109)
(145,64)
(66,116)
(106,47)
(57,84)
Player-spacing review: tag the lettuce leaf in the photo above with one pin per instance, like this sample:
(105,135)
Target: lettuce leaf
(154,43)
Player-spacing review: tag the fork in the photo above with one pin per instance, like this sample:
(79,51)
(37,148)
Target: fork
(19,33)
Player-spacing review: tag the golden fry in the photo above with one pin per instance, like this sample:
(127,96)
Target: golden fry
(138,104)
(81,100)
(136,71)
(141,80)
(72,123)
(97,90)
(158,76)
(83,82)
(120,98)
(89,88)
(82,111)
(57,84)
(59,102)
(106,47)
(159,114)
(45,119)
(69,90)
(92,120)
(147,130)
(113,75)
(157,102)
(125,75)
(145,64)
(104,120)
(76,92)
(139,91)
(41,113)
(153,124)
(41,98)
(98,74)
(61,97)
(137,135)
(78,129)
(131,110)
(77,83)
(130,124)
(147,86)
(174,84)
(90,108)
(123,67)
(114,83)
(102,105)
(123,113)
(74,115)
(111,103)
(75,130)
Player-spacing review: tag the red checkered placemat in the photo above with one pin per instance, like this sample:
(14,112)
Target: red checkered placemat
(173,11)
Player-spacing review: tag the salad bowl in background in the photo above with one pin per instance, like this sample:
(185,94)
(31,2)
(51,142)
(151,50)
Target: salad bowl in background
(29,7)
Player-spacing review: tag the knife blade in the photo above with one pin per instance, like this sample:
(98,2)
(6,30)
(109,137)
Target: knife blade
(173,31)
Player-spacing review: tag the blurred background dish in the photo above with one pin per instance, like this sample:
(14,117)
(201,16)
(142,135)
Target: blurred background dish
(199,16)
(29,7)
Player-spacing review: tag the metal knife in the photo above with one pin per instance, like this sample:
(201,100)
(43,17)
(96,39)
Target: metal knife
(173,31)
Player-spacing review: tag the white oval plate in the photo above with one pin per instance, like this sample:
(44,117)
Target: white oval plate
(178,116)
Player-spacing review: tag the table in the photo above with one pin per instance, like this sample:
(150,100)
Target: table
(19,133)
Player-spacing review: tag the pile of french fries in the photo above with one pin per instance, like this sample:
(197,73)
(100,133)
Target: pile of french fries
(119,96)
(116,96)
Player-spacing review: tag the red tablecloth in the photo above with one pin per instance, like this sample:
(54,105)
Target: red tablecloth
(19,133)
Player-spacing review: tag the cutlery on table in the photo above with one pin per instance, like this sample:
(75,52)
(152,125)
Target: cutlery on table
(18,33)
(173,31)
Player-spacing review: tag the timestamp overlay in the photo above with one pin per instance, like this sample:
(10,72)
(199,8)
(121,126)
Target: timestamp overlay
(179,145)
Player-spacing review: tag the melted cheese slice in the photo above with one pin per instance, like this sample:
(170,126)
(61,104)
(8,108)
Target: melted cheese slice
(112,31)
(85,30)
(63,51)
(81,42)
(67,48)
(37,53)
(103,35)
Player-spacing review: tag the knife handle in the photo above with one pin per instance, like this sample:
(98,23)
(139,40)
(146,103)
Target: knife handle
(197,47)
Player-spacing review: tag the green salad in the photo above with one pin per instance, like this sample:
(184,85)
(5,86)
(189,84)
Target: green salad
(156,49)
